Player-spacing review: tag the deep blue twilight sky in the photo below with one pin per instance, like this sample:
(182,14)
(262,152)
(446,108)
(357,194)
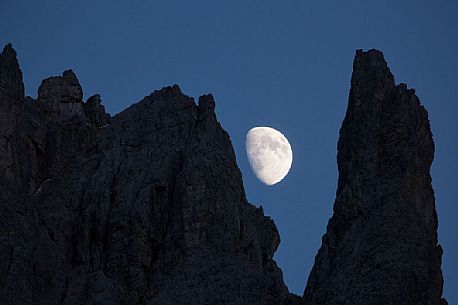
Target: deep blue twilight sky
(285,64)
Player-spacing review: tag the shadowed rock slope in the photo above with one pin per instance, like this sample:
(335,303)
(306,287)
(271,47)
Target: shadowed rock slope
(381,243)
(148,207)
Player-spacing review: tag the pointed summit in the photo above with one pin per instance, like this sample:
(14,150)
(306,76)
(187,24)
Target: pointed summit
(95,111)
(11,85)
(167,92)
(9,49)
(370,71)
(381,243)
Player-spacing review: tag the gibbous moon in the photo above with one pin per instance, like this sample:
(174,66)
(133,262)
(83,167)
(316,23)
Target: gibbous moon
(269,153)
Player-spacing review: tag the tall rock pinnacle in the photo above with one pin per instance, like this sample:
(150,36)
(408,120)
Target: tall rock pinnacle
(381,243)
(11,85)
(11,104)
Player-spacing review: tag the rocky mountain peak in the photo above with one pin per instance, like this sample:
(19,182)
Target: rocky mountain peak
(9,54)
(11,107)
(206,103)
(148,207)
(62,96)
(63,89)
(95,111)
(11,85)
(381,243)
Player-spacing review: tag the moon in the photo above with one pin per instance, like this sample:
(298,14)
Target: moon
(269,154)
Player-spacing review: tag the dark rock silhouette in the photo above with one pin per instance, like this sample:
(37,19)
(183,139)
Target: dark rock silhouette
(148,206)
(381,243)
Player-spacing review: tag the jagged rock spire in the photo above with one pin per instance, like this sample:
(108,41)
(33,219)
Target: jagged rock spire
(381,243)
(11,104)
(11,85)
(95,111)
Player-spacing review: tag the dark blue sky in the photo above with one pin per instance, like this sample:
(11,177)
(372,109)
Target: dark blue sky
(285,64)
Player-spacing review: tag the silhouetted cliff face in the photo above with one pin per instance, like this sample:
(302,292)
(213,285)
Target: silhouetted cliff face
(147,207)
(381,243)
(12,100)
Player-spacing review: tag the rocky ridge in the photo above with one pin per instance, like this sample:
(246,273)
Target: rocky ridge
(148,206)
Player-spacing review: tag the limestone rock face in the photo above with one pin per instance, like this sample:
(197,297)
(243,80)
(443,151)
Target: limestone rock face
(147,207)
(381,243)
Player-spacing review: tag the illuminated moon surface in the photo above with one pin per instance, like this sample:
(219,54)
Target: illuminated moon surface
(269,153)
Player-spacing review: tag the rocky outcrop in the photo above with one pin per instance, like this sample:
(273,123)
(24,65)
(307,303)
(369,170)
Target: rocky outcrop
(11,85)
(147,207)
(61,96)
(11,104)
(16,234)
(381,243)
(95,111)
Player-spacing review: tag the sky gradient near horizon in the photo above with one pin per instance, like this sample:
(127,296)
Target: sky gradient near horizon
(284,64)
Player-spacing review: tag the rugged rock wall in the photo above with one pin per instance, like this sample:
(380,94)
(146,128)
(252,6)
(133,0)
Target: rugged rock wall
(147,207)
(381,243)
